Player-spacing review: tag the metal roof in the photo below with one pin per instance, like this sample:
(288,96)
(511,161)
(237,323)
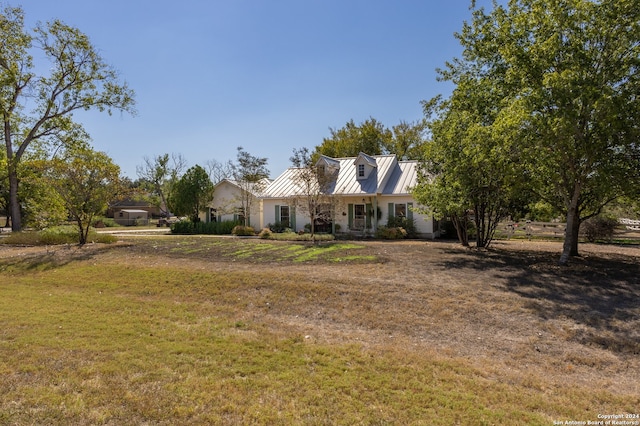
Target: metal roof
(403,178)
(256,189)
(389,176)
(329,161)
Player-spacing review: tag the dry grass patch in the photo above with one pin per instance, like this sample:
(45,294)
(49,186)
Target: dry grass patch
(166,331)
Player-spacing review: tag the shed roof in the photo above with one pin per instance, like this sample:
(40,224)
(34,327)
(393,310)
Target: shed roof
(134,211)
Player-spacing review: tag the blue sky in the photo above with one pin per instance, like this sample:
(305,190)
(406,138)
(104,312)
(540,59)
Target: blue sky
(269,76)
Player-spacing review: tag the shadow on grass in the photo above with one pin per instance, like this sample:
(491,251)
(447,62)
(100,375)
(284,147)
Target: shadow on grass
(599,293)
(47,258)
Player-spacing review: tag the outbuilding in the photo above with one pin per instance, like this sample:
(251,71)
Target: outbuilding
(131,217)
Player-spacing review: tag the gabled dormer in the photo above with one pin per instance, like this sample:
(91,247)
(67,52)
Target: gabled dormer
(327,166)
(365,164)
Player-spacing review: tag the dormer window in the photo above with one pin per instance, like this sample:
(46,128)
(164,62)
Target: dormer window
(364,166)
(327,166)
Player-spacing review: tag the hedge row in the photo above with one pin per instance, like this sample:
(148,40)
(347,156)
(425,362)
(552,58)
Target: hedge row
(213,228)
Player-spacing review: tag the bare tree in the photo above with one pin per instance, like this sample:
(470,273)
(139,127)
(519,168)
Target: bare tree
(314,184)
(162,172)
(218,171)
(250,173)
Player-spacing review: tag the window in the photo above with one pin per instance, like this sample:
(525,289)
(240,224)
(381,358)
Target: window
(400,210)
(239,215)
(360,170)
(284,216)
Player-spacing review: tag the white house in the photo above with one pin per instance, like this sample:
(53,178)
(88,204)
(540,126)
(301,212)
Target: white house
(228,203)
(363,187)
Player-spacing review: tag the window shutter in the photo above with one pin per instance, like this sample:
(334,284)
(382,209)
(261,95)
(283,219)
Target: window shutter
(369,209)
(350,216)
(392,213)
(292,217)
(410,211)
(277,216)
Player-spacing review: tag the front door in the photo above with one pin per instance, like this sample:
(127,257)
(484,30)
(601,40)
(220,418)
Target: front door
(359,216)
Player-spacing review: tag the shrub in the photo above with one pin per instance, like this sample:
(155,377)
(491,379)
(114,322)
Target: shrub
(307,228)
(211,228)
(409,225)
(27,238)
(183,227)
(265,233)
(60,235)
(56,235)
(391,233)
(104,222)
(243,231)
(278,227)
(599,228)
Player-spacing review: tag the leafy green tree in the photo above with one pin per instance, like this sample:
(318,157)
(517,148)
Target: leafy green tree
(369,137)
(86,181)
(470,167)
(41,207)
(250,173)
(407,141)
(565,73)
(192,193)
(37,107)
(373,138)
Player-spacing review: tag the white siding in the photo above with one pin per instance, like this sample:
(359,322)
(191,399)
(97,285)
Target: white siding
(424,223)
(269,213)
(227,201)
(389,181)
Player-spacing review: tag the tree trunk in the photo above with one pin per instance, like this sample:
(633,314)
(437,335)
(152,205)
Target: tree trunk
(83,235)
(14,202)
(477,218)
(570,245)
(164,210)
(313,228)
(575,231)
(461,229)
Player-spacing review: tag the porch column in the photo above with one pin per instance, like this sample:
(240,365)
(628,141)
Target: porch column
(375,213)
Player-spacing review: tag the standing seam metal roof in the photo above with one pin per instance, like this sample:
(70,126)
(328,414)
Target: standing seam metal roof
(397,178)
